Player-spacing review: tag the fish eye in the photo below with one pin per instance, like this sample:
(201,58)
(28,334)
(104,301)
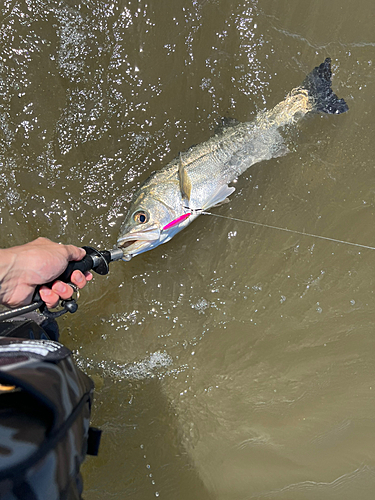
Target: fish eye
(140,217)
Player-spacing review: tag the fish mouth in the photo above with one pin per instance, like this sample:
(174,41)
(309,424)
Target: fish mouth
(125,244)
(136,242)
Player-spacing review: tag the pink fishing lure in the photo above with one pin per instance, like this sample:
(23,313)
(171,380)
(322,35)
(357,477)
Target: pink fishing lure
(176,221)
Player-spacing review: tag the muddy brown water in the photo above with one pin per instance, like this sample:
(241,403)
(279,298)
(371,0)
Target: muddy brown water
(235,362)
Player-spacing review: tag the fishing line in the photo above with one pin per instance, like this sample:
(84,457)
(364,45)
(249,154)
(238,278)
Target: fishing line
(291,231)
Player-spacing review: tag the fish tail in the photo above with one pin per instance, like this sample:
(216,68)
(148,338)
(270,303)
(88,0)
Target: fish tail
(318,84)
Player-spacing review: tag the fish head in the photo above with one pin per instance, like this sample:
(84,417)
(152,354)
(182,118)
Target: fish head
(142,229)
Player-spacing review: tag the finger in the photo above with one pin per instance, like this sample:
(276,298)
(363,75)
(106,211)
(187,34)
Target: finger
(78,279)
(74,253)
(63,290)
(50,298)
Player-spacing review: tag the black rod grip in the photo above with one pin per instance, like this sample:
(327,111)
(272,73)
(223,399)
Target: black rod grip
(83,265)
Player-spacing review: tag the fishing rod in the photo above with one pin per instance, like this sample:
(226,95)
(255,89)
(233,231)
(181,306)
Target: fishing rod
(98,261)
(94,260)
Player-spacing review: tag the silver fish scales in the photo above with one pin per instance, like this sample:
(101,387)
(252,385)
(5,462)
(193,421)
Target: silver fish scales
(199,178)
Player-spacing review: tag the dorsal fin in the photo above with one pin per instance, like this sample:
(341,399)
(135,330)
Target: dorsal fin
(185,182)
(225,122)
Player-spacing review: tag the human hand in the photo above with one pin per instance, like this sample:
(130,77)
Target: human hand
(24,267)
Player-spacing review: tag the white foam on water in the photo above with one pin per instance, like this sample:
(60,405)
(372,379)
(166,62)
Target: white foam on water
(154,365)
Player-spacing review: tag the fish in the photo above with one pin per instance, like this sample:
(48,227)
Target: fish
(199,178)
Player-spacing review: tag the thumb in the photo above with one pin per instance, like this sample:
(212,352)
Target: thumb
(75,253)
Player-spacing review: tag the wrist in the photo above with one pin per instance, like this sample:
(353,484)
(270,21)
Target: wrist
(8,276)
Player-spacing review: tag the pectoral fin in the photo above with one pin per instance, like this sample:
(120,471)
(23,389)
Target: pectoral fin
(185,182)
(219,196)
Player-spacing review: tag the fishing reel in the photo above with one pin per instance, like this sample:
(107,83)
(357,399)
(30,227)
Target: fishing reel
(94,260)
